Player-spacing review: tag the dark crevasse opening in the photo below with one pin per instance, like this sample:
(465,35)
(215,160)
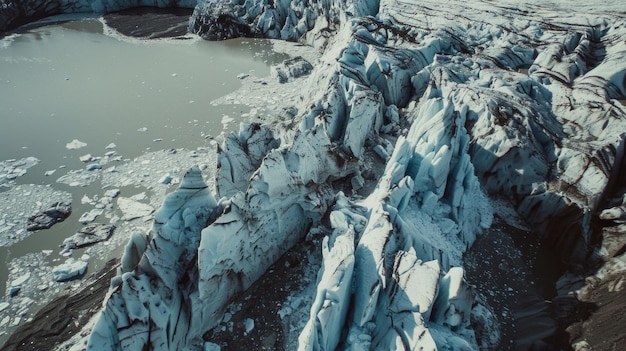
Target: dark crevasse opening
(514,271)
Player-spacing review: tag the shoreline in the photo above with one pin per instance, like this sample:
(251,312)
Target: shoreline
(149,22)
(38,291)
(65,316)
(34,328)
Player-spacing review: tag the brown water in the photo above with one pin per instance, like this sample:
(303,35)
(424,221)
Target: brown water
(71,81)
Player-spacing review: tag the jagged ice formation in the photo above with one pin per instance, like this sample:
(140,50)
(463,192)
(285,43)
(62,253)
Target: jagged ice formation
(435,93)
(415,114)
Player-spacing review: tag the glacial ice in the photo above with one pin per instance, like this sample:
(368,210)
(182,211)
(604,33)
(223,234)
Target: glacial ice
(149,303)
(411,116)
(71,269)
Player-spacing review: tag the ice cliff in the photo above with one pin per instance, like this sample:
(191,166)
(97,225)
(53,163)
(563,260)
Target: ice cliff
(416,113)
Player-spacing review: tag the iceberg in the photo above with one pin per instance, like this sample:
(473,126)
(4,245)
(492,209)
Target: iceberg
(75,144)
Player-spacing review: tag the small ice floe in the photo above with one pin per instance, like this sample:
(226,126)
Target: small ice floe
(50,172)
(75,144)
(249,325)
(132,209)
(142,129)
(14,290)
(112,193)
(94,166)
(86,158)
(69,270)
(67,249)
(16,285)
(111,146)
(89,235)
(226,119)
(20,280)
(90,216)
(166,179)
(86,200)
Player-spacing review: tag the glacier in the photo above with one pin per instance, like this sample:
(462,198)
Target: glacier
(415,117)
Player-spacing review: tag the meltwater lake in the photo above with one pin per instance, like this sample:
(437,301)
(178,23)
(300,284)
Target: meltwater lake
(118,96)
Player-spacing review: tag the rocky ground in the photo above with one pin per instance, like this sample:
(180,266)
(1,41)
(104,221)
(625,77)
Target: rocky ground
(269,315)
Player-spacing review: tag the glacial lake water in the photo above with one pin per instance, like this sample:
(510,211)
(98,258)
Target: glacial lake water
(70,80)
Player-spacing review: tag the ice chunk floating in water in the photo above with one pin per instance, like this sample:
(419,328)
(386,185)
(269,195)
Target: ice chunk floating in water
(75,144)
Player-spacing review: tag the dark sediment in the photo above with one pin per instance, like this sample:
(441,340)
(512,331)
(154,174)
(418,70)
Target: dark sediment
(57,212)
(604,328)
(598,323)
(536,309)
(263,301)
(150,22)
(65,316)
(502,264)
